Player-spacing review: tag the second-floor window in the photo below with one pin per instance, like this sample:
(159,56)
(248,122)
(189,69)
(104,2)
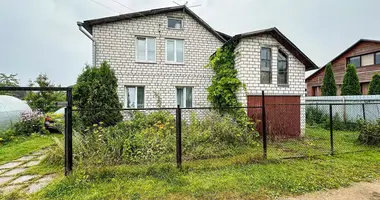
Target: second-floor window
(265,66)
(134,97)
(175,23)
(174,51)
(146,49)
(355,61)
(282,68)
(365,60)
(377,59)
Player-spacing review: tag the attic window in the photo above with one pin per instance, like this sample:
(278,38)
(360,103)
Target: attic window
(175,23)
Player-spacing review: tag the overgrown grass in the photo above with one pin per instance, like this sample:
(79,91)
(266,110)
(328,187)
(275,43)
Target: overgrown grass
(241,176)
(23,145)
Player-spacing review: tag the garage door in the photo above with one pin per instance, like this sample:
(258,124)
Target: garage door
(282,114)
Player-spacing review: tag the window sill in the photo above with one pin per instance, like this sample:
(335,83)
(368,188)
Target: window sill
(176,29)
(283,85)
(146,62)
(174,63)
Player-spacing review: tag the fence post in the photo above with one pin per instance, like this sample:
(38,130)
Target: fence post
(363,106)
(331,132)
(264,124)
(69,132)
(178,137)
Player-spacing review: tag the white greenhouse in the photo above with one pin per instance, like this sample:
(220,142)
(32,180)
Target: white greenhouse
(10,110)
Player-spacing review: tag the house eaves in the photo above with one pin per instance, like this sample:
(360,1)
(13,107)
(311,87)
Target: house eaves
(284,41)
(88,24)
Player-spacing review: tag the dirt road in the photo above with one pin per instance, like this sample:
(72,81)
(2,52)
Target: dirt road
(358,191)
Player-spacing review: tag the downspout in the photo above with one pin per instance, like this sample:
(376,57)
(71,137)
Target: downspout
(86,33)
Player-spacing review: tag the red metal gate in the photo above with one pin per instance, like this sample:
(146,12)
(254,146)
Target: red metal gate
(283,115)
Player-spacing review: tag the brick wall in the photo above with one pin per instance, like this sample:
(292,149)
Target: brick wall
(248,66)
(116,43)
(365,73)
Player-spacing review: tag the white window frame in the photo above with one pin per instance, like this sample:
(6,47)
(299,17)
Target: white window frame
(175,51)
(146,49)
(126,95)
(175,18)
(184,92)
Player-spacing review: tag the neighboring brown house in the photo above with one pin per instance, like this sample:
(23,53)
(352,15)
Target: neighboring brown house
(364,54)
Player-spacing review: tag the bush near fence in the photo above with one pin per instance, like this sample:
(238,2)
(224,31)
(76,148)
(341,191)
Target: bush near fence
(150,137)
(318,117)
(370,133)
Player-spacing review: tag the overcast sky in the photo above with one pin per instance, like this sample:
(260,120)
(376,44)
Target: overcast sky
(41,36)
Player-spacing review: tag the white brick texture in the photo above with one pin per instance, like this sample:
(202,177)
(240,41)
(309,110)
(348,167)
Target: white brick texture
(247,62)
(116,44)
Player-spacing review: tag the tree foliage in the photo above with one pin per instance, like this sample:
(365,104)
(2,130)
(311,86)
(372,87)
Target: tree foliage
(351,84)
(10,81)
(374,85)
(95,93)
(45,101)
(328,86)
(225,84)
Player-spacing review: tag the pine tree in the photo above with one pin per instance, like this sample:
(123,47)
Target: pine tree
(351,85)
(374,85)
(329,86)
(95,94)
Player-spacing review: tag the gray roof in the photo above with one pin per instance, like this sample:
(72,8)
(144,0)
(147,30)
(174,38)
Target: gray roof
(88,24)
(284,41)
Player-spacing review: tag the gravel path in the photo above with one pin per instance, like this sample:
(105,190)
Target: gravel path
(358,191)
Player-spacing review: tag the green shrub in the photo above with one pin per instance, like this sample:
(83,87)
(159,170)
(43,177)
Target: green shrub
(370,133)
(31,122)
(328,86)
(315,116)
(151,138)
(351,85)
(216,135)
(95,93)
(374,85)
(7,135)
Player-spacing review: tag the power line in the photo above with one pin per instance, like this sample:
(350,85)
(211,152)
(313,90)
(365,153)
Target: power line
(123,5)
(106,6)
(127,7)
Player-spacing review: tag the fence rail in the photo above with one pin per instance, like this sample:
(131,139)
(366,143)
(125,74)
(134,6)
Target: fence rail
(183,135)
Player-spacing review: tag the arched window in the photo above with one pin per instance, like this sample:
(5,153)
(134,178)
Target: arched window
(282,68)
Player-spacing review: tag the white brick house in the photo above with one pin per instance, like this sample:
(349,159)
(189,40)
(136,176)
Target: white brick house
(117,42)
(162,52)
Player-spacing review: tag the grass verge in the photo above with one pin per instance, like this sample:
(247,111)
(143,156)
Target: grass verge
(21,146)
(238,177)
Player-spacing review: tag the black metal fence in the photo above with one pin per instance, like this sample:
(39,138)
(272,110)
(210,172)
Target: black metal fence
(188,135)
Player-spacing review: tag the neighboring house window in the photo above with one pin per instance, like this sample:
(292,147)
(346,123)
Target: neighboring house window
(355,61)
(134,97)
(175,23)
(185,97)
(146,49)
(377,59)
(266,66)
(174,51)
(282,68)
(367,59)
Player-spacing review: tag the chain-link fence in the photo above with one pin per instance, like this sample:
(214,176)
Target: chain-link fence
(188,135)
(101,136)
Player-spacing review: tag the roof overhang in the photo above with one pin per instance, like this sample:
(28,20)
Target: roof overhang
(88,24)
(284,41)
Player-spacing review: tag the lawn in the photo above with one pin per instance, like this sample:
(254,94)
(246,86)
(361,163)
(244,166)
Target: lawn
(21,146)
(241,176)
